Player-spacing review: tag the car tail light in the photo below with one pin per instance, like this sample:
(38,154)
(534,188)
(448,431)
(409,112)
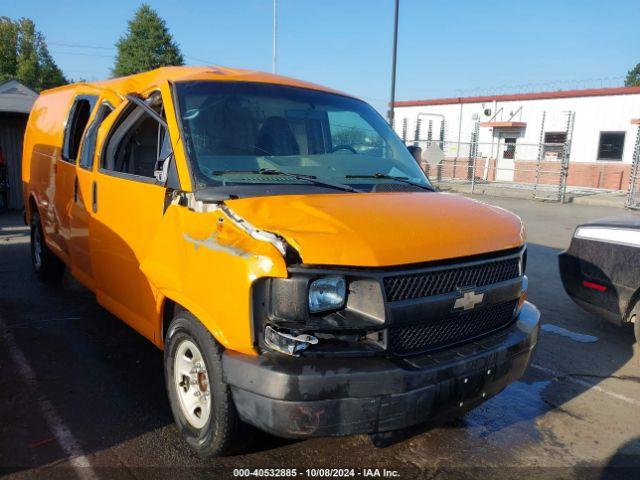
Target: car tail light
(594,286)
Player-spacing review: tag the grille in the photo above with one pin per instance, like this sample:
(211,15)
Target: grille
(450,330)
(406,287)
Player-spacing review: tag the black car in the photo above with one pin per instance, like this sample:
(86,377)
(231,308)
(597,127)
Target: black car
(601,269)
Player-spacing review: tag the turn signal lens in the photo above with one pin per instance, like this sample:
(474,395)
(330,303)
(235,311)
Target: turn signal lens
(523,295)
(287,343)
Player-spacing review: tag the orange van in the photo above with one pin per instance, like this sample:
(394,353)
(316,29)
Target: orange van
(282,246)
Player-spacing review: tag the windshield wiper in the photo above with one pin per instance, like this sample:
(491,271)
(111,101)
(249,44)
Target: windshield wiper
(392,177)
(297,176)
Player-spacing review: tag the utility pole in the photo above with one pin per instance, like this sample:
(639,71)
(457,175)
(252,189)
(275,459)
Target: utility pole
(393,62)
(275,36)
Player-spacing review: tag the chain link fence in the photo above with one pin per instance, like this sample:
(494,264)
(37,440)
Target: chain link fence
(538,169)
(475,162)
(633,197)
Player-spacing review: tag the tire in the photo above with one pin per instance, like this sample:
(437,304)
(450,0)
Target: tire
(635,318)
(217,429)
(46,265)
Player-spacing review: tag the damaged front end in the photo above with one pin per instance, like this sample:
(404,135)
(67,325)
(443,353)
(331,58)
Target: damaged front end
(303,312)
(317,313)
(401,311)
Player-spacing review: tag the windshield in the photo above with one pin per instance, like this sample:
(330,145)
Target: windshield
(246,133)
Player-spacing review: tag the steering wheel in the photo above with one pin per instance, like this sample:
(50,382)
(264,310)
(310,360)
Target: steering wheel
(344,147)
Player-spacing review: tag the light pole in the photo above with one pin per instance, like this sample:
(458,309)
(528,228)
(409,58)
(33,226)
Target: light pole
(393,62)
(275,36)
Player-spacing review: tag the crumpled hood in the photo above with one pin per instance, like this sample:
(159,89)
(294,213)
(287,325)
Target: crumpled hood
(382,229)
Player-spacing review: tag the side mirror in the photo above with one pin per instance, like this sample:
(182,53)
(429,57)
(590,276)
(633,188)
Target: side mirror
(416,153)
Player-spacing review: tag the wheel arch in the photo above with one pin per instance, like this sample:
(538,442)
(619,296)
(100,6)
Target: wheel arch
(633,301)
(30,208)
(173,302)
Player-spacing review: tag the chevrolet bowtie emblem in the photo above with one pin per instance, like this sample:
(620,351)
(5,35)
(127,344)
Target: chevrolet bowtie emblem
(468,300)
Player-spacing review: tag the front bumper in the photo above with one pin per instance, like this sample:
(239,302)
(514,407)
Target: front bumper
(298,397)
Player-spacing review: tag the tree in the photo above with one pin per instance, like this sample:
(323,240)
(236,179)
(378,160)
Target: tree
(27,63)
(633,77)
(51,75)
(8,46)
(146,45)
(24,55)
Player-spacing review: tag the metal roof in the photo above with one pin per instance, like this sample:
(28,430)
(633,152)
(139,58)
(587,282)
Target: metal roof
(16,97)
(592,92)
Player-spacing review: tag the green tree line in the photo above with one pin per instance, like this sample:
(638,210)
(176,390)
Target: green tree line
(24,56)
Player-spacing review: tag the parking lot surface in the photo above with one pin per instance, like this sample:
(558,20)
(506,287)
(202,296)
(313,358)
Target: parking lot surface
(83,395)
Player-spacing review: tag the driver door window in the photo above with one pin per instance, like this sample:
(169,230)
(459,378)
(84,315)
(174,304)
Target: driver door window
(136,145)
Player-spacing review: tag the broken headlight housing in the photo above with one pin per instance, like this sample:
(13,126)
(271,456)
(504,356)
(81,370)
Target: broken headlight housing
(284,342)
(319,312)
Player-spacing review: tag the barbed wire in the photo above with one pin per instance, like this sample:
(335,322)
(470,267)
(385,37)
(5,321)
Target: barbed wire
(575,84)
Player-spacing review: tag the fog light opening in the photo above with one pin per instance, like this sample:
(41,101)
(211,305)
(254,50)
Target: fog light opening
(287,343)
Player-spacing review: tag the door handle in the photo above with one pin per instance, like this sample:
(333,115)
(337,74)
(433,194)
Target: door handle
(94,197)
(75,189)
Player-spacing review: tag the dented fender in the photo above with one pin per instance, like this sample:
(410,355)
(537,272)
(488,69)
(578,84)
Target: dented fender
(207,263)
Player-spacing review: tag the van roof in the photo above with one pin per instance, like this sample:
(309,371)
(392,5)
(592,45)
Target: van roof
(144,81)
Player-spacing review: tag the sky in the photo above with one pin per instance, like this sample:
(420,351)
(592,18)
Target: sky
(445,48)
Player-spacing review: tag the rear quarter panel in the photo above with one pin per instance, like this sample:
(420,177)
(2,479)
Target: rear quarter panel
(42,146)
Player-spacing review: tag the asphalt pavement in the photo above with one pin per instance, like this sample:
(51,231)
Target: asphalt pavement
(83,395)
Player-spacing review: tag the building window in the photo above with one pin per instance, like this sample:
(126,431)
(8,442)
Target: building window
(509,151)
(611,145)
(554,143)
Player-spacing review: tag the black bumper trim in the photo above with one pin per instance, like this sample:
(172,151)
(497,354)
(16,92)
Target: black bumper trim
(297,397)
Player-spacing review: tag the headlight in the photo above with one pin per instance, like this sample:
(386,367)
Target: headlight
(327,293)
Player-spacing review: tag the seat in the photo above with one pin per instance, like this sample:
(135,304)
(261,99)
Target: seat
(276,138)
(144,149)
(228,133)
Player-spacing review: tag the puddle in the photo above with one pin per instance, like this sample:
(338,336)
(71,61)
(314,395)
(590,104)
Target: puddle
(494,433)
(516,408)
(563,332)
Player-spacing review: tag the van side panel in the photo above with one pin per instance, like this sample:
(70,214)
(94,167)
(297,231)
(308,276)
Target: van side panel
(42,150)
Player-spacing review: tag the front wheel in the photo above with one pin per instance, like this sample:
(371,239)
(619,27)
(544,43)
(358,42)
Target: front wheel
(201,402)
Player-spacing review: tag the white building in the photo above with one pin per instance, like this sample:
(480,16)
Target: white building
(513,132)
